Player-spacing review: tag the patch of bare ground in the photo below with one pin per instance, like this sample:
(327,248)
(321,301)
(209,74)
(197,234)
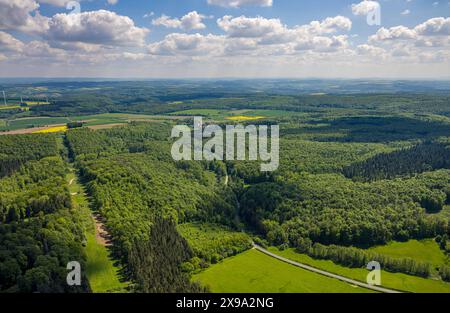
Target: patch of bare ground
(102,235)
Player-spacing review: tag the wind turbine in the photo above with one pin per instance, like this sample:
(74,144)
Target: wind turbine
(4,98)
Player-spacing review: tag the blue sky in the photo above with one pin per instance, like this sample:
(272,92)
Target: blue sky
(236,38)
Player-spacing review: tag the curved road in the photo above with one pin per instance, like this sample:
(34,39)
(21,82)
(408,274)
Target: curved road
(328,274)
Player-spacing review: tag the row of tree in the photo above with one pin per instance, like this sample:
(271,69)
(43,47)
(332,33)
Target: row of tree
(353,257)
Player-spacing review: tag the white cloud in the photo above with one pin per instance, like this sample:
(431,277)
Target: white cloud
(96,27)
(406,12)
(59,3)
(438,26)
(9,43)
(187,44)
(257,36)
(22,15)
(368,50)
(365,7)
(250,27)
(393,33)
(190,21)
(241,3)
(323,44)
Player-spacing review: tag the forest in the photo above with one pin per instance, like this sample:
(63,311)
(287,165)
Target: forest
(39,231)
(357,169)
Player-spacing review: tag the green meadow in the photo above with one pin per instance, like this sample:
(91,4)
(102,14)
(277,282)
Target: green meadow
(215,114)
(396,281)
(253,271)
(423,250)
(101,272)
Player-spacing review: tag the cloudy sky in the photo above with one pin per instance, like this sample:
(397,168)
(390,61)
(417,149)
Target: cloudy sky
(225,38)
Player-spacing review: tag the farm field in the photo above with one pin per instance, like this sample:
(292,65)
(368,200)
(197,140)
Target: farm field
(56,129)
(24,123)
(89,120)
(235,115)
(253,271)
(398,281)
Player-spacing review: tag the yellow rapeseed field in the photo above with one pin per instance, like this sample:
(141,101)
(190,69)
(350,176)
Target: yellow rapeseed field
(56,129)
(244,118)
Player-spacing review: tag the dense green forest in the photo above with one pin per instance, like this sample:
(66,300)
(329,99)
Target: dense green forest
(132,180)
(357,169)
(39,232)
(15,151)
(424,157)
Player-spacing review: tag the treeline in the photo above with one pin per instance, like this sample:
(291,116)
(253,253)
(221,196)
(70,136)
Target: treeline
(356,258)
(16,150)
(212,243)
(423,157)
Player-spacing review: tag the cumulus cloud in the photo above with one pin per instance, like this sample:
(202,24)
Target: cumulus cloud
(250,27)
(369,50)
(435,27)
(9,43)
(96,27)
(365,7)
(241,3)
(22,15)
(190,21)
(438,26)
(393,33)
(258,36)
(187,44)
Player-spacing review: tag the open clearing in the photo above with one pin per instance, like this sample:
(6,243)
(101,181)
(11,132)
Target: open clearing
(101,272)
(423,250)
(253,271)
(396,281)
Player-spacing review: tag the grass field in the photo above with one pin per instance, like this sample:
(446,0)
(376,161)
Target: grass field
(253,271)
(31,103)
(9,107)
(236,115)
(390,280)
(35,122)
(101,272)
(423,250)
(90,120)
